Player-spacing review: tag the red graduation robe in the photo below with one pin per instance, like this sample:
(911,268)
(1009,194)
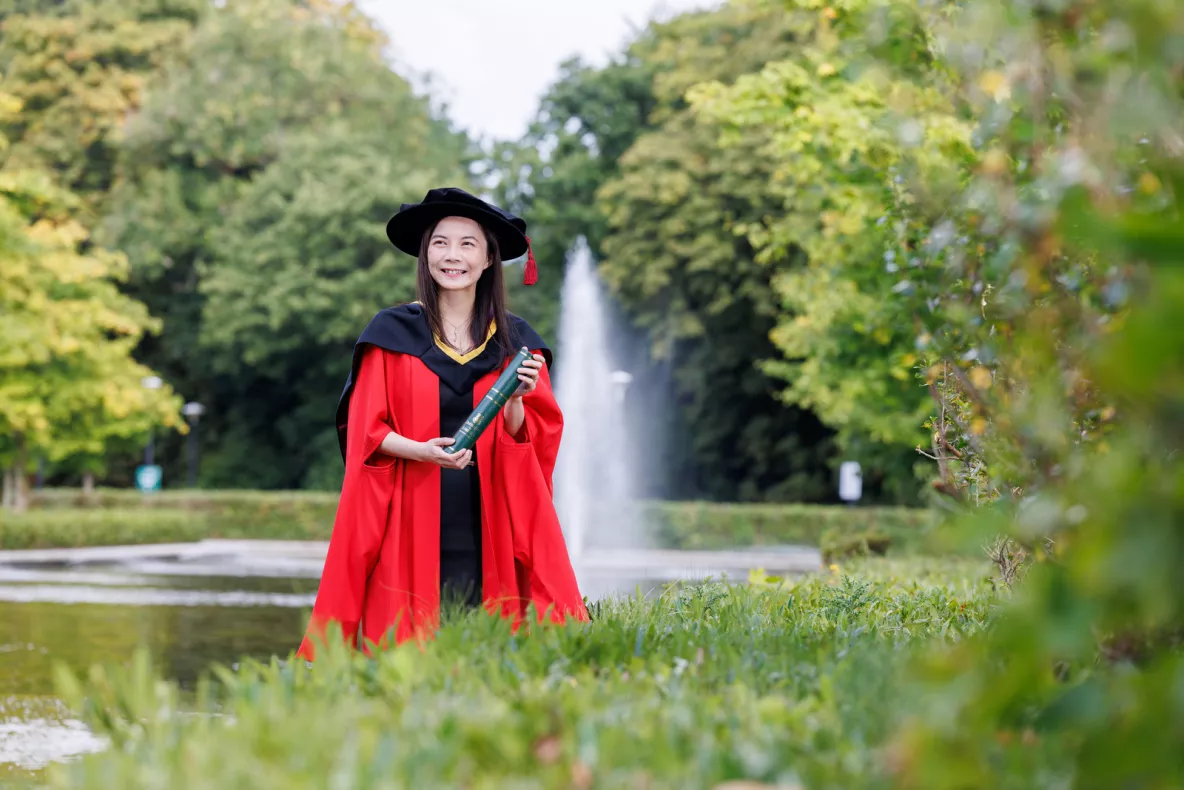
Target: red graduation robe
(381,578)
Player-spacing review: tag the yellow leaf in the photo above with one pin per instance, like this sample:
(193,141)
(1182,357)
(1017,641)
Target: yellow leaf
(825,69)
(10,105)
(980,377)
(995,85)
(1148,184)
(978,426)
(995,162)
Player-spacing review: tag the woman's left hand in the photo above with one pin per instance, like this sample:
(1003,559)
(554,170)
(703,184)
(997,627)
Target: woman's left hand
(529,374)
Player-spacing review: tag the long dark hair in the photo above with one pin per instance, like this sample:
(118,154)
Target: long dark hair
(490,304)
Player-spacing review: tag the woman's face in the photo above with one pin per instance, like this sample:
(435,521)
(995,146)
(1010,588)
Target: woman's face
(457,253)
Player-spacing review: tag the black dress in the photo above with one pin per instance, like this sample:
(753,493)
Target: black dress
(460,512)
(460,489)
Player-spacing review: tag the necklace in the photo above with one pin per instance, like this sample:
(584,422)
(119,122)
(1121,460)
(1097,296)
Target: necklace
(456,335)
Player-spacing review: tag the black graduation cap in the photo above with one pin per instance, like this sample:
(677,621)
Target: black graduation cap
(406,228)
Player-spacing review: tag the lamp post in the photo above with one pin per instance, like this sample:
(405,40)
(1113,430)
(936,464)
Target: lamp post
(193,411)
(150,383)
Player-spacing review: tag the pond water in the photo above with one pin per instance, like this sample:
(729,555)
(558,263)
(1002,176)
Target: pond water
(187,616)
(103,614)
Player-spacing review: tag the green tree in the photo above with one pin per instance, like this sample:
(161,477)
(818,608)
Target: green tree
(587,119)
(854,110)
(252,194)
(301,265)
(69,387)
(676,261)
(626,126)
(20,7)
(79,68)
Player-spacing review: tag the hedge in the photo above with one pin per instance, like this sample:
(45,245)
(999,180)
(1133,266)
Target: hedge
(701,525)
(63,517)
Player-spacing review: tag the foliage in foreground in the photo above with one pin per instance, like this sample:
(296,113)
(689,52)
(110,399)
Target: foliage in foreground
(784,684)
(1034,272)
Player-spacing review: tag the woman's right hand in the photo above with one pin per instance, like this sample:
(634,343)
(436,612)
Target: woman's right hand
(432,452)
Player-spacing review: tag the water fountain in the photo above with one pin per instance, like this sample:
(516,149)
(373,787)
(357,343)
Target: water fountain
(601,473)
(596,473)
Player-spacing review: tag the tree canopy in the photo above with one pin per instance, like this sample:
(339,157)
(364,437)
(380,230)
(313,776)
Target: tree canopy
(70,390)
(251,196)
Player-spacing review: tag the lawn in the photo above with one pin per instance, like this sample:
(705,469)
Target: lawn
(785,683)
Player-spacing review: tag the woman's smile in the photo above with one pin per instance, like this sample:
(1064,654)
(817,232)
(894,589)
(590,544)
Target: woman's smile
(457,253)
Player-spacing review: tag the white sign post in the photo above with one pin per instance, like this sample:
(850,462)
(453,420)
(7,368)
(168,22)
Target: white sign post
(850,482)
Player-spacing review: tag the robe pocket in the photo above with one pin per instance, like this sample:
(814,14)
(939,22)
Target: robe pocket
(517,474)
(386,463)
(370,494)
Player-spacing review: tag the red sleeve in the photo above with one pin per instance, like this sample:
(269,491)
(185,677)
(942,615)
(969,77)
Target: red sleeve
(369,411)
(524,473)
(543,427)
(360,523)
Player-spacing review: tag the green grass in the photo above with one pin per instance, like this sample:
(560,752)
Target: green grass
(62,517)
(792,684)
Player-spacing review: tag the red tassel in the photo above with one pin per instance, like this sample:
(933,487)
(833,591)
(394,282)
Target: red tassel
(530,273)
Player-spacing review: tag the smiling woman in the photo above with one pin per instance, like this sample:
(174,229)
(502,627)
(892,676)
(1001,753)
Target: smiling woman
(457,253)
(416,524)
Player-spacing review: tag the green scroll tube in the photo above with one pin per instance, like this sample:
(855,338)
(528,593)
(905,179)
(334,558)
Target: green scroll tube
(490,405)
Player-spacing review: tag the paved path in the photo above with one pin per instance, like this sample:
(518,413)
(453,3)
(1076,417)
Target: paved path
(309,555)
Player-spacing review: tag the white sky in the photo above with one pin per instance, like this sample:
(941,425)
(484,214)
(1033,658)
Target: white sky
(491,60)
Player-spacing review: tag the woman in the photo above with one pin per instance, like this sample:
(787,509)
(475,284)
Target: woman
(415,523)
